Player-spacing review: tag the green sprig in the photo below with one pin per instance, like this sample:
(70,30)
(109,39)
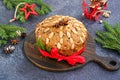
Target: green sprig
(7,32)
(40,44)
(110,38)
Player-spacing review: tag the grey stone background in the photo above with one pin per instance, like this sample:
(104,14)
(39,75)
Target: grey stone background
(17,67)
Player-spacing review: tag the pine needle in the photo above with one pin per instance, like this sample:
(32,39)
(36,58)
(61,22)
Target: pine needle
(7,32)
(110,38)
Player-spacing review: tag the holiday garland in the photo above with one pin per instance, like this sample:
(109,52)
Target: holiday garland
(9,32)
(33,7)
(110,38)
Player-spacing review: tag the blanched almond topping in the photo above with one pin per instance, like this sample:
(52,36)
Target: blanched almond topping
(59,19)
(61,41)
(72,47)
(80,22)
(67,27)
(61,34)
(50,18)
(58,45)
(47,40)
(39,36)
(51,34)
(47,21)
(85,29)
(71,41)
(68,34)
(78,28)
(46,29)
(81,39)
(76,24)
(83,34)
(61,27)
(74,31)
(55,22)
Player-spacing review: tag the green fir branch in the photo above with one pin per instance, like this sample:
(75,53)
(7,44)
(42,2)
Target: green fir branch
(8,32)
(110,38)
(109,28)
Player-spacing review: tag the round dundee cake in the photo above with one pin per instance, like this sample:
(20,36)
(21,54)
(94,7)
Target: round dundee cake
(65,33)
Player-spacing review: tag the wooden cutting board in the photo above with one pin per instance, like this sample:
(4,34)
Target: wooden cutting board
(52,65)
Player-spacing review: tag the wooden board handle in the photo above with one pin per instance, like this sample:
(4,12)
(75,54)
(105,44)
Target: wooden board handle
(108,62)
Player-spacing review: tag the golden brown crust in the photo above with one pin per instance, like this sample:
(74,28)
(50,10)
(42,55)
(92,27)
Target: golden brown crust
(65,33)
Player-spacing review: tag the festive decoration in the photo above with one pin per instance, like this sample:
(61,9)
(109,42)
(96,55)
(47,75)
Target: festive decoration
(28,10)
(8,32)
(110,38)
(106,14)
(9,49)
(15,41)
(18,32)
(53,53)
(23,35)
(24,8)
(72,60)
(101,21)
(95,10)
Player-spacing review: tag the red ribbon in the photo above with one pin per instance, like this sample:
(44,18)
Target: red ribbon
(72,60)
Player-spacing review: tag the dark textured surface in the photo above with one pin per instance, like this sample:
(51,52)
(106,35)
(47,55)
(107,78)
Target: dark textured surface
(17,67)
